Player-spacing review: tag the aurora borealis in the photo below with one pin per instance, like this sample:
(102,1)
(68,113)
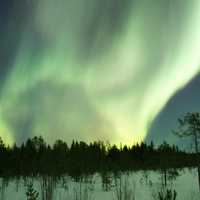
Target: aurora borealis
(93,69)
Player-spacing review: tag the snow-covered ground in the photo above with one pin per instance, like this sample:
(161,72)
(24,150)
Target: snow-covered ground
(143,185)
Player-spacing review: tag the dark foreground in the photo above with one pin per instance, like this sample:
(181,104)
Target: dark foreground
(35,157)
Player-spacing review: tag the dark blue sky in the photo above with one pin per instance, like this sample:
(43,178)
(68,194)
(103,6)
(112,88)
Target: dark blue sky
(185,100)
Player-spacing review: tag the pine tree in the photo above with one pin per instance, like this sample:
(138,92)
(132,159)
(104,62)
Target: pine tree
(31,193)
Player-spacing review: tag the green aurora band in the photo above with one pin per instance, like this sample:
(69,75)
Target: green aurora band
(98,69)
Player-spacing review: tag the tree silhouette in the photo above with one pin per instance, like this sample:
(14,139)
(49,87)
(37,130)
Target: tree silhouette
(35,157)
(168,195)
(189,126)
(31,194)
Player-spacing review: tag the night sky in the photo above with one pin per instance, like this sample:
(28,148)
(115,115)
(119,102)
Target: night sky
(114,70)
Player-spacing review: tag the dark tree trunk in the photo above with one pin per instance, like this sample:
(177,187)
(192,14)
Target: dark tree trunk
(196,142)
(197,154)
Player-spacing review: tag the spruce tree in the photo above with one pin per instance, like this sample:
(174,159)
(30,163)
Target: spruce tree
(31,193)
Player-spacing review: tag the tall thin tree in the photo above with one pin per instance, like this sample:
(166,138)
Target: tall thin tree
(189,126)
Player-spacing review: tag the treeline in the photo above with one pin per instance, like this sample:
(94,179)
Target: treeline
(35,157)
